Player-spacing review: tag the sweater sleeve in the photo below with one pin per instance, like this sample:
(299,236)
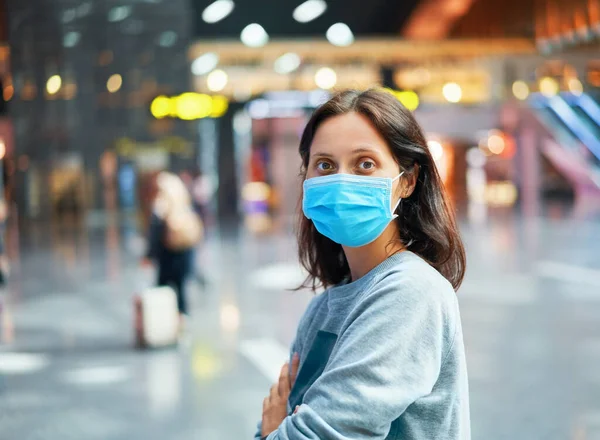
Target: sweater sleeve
(389,355)
(296,346)
(258,436)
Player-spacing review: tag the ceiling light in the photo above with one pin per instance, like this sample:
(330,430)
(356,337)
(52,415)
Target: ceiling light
(114,83)
(217,11)
(309,10)
(575,87)
(53,85)
(287,63)
(84,9)
(167,39)
(71,39)
(548,86)
(254,35)
(205,63)
(69,15)
(216,80)
(340,34)
(496,144)
(326,78)
(119,13)
(452,92)
(521,90)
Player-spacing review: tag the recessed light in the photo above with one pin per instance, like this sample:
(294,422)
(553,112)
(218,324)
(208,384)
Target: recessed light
(217,11)
(326,78)
(167,39)
(340,34)
(254,35)
(119,13)
(71,39)
(205,63)
(216,80)
(287,63)
(309,10)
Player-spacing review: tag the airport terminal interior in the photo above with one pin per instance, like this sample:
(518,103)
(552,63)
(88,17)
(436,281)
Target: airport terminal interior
(103,100)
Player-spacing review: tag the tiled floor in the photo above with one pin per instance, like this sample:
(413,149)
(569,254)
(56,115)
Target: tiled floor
(530,310)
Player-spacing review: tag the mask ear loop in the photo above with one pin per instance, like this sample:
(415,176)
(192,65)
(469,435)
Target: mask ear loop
(395,216)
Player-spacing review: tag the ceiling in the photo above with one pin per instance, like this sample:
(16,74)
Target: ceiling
(365,18)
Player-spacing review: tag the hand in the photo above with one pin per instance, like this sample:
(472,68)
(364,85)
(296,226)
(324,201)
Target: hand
(275,406)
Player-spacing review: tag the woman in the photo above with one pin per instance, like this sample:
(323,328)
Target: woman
(378,355)
(174,232)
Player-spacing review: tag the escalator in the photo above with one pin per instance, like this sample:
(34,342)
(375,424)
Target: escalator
(574,142)
(587,109)
(587,120)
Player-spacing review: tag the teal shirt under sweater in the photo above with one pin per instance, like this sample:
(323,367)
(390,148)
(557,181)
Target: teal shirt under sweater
(381,358)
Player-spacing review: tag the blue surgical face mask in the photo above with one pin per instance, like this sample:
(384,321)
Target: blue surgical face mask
(350,210)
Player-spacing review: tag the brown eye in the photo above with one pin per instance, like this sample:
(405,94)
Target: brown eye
(366,165)
(324,166)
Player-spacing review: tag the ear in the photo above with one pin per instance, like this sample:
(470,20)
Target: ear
(408,182)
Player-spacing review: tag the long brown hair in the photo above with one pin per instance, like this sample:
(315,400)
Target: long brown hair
(425,219)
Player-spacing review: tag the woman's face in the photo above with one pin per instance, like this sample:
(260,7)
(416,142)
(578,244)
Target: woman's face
(349,144)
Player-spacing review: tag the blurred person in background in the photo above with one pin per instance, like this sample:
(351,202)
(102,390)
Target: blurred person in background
(379,354)
(4,266)
(174,232)
(5,199)
(202,192)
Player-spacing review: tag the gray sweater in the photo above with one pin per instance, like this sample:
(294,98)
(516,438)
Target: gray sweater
(381,358)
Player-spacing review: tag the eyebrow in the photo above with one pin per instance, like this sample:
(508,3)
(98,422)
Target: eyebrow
(358,150)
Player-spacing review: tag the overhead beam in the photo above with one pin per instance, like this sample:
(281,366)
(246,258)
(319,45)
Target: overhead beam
(373,50)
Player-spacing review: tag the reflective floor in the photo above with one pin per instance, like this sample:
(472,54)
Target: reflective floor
(530,310)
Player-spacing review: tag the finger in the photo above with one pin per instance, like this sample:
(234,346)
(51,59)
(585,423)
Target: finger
(274,394)
(265,404)
(295,367)
(284,381)
(296,410)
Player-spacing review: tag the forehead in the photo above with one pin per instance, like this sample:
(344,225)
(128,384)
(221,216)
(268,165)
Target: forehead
(346,132)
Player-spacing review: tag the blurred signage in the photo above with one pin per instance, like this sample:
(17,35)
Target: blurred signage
(189,106)
(474,81)
(127,147)
(408,98)
(286,104)
(297,99)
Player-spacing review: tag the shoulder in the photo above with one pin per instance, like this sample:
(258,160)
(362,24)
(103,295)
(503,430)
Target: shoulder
(409,275)
(409,283)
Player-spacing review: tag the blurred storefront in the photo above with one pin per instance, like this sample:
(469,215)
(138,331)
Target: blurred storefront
(104,96)
(84,74)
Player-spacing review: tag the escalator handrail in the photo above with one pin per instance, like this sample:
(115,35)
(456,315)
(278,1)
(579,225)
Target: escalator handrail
(589,106)
(574,123)
(561,133)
